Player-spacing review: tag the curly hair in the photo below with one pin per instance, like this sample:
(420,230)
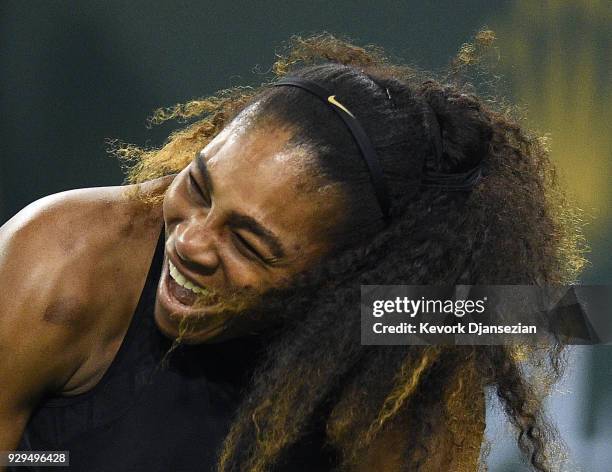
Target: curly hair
(515,227)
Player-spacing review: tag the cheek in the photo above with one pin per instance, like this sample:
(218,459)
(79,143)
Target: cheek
(241,274)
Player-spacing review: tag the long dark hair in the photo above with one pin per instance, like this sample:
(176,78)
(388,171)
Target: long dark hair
(514,227)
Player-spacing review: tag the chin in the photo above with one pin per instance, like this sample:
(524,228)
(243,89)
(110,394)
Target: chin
(207,323)
(169,327)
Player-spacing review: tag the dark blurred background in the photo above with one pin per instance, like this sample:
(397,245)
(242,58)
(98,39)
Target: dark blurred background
(75,73)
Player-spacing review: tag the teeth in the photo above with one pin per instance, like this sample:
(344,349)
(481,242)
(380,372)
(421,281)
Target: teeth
(183,282)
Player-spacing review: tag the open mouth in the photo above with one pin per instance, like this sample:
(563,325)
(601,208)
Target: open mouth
(181,296)
(185,284)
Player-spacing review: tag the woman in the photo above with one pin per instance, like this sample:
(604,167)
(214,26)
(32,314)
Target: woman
(291,202)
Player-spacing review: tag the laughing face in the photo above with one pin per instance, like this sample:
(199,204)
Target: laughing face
(245,216)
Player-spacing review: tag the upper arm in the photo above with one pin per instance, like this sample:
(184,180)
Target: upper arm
(34,353)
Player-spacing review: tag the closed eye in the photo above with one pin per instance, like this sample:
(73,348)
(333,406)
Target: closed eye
(245,246)
(204,196)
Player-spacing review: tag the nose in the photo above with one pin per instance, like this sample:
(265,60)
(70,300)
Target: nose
(196,246)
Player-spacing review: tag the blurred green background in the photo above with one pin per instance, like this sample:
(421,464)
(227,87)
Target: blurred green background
(75,73)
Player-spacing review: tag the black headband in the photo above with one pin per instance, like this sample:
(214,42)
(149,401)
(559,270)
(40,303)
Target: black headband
(458,181)
(361,138)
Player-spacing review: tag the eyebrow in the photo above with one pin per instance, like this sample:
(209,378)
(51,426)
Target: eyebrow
(203,168)
(268,237)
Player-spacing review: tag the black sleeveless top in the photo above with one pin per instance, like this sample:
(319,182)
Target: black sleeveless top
(154,416)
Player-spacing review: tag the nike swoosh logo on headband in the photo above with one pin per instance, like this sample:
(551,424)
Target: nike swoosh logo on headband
(332,99)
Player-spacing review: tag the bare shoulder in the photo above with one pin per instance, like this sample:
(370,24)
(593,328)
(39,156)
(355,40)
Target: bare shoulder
(60,263)
(60,222)
(58,242)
